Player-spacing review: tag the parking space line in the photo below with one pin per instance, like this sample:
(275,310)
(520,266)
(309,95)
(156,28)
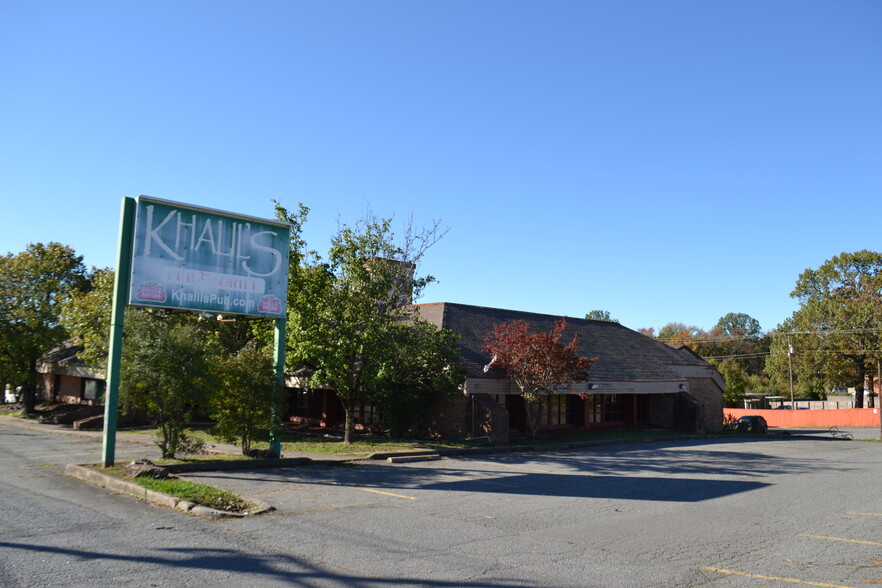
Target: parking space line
(778,578)
(388,493)
(840,539)
(867,514)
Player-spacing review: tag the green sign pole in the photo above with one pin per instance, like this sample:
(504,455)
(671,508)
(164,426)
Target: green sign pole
(279,357)
(120,295)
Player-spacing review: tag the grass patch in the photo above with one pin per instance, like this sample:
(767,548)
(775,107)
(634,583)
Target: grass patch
(195,492)
(364,445)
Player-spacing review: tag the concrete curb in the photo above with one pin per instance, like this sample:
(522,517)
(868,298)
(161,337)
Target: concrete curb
(119,486)
(412,458)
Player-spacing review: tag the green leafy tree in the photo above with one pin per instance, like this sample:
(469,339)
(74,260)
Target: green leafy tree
(343,311)
(739,337)
(738,324)
(836,334)
(241,403)
(167,368)
(33,285)
(600,315)
(736,382)
(86,316)
(423,370)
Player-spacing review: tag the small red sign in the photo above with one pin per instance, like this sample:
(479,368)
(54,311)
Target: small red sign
(270,305)
(151,291)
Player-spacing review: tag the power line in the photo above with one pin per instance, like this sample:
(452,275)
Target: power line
(737,355)
(767,353)
(727,339)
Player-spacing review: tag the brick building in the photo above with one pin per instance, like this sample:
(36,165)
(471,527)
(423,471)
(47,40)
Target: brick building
(65,378)
(635,382)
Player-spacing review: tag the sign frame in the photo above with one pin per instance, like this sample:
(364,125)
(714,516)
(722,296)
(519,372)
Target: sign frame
(187,257)
(122,288)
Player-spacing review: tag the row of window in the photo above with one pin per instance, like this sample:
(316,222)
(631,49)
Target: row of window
(568,409)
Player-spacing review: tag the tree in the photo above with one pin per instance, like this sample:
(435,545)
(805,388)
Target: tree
(736,382)
(539,363)
(601,315)
(737,338)
(32,287)
(679,334)
(343,311)
(836,333)
(423,369)
(167,368)
(738,324)
(86,316)
(242,402)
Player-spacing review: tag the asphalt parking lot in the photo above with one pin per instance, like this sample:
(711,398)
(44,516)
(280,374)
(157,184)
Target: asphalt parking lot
(766,512)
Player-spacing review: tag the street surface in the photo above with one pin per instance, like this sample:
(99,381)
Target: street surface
(767,512)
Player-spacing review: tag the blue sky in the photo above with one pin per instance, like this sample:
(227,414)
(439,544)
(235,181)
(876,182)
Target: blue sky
(665,161)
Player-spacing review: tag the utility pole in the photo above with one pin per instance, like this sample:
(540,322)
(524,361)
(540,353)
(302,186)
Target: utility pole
(790,361)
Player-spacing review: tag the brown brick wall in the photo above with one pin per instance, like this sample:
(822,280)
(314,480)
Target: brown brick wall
(706,391)
(491,419)
(661,410)
(453,417)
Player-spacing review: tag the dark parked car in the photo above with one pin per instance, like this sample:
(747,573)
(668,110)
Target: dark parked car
(751,424)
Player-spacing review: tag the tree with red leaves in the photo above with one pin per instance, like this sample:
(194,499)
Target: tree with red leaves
(539,363)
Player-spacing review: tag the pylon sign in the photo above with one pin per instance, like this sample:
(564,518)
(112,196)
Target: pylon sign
(192,258)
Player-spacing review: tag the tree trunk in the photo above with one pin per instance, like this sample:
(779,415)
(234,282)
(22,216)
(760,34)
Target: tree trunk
(859,389)
(29,392)
(532,409)
(347,428)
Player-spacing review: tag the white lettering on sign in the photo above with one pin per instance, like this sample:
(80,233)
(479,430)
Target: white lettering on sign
(202,236)
(277,257)
(153,234)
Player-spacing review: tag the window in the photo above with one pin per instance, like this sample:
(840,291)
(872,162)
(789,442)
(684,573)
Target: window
(562,409)
(93,389)
(370,415)
(605,408)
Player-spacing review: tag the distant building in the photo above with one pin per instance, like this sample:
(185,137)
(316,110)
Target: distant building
(65,378)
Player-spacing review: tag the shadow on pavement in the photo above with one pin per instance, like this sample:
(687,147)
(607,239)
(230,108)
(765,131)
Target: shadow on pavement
(295,571)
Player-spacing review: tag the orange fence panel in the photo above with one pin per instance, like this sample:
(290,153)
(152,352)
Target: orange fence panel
(847,417)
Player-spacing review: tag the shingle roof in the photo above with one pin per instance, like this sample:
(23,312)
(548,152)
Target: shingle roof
(622,354)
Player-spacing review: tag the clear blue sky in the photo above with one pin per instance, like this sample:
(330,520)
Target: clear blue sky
(665,161)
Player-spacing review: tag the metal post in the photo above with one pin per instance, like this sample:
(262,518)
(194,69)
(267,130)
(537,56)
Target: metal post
(878,390)
(120,295)
(279,360)
(790,360)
